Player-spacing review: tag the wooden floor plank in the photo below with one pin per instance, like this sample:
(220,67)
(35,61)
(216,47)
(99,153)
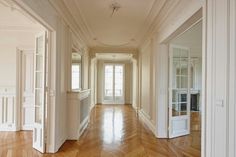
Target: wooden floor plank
(114,131)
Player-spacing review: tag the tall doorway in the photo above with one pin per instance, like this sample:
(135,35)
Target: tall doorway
(24,65)
(185,85)
(113,84)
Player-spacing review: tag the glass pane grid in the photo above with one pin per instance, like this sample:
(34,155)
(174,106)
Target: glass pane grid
(180,82)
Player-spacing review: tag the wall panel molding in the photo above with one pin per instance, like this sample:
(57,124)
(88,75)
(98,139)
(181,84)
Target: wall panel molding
(7,109)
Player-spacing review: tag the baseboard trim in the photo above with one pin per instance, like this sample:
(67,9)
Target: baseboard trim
(147,121)
(27,128)
(6,128)
(83,126)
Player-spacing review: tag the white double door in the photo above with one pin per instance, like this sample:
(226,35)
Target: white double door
(179,91)
(113,84)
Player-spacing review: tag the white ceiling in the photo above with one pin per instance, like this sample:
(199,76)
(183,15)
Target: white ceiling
(192,39)
(126,28)
(13,18)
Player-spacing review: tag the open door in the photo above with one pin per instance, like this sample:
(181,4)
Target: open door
(40,93)
(179,92)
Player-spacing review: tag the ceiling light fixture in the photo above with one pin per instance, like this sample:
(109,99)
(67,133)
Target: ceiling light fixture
(114,7)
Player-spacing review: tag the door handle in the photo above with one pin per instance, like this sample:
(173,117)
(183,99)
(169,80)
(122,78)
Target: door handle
(220,103)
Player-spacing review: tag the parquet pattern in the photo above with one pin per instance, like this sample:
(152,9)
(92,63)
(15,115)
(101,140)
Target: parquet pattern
(114,131)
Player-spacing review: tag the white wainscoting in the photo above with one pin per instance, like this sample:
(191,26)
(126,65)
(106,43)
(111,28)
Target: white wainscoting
(7,109)
(79,107)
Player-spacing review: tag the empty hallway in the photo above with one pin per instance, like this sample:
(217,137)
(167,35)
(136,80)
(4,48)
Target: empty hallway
(113,131)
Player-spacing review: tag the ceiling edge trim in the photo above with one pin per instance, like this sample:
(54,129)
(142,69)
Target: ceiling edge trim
(65,15)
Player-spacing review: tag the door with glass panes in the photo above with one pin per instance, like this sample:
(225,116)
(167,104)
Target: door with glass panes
(113,84)
(40,101)
(179,91)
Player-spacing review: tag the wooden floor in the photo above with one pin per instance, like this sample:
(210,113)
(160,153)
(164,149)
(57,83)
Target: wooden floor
(114,131)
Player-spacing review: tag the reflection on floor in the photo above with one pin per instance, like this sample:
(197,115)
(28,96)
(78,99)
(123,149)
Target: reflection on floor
(114,131)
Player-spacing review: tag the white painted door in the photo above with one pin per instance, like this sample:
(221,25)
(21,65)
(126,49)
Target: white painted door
(39,92)
(113,84)
(27,78)
(179,97)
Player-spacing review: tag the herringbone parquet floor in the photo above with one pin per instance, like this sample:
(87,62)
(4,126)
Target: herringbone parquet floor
(114,131)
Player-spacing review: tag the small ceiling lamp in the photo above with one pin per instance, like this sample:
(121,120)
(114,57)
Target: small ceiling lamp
(114,7)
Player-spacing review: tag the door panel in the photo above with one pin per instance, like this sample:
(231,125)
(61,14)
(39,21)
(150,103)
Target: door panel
(119,81)
(179,97)
(39,93)
(108,89)
(113,84)
(27,109)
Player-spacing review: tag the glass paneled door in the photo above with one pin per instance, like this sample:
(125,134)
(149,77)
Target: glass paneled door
(179,92)
(113,84)
(40,93)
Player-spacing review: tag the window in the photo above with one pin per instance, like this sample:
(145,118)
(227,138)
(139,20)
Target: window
(75,76)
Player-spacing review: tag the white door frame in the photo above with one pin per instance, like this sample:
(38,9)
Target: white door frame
(50,146)
(199,15)
(19,88)
(103,86)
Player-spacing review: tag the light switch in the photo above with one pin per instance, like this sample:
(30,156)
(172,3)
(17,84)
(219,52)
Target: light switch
(220,103)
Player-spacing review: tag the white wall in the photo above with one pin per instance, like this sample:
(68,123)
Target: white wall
(11,41)
(220,74)
(135,84)
(145,57)
(155,52)
(128,80)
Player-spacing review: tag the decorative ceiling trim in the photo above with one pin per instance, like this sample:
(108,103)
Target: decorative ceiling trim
(74,8)
(19,28)
(108,45)
(171,16)
(68,18)
(113,50)
(159,19)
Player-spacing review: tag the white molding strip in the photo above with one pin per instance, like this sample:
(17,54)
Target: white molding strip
(147,121)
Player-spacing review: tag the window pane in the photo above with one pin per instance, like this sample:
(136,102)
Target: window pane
(75,76)
(118,80)
(38,115)
(108,80)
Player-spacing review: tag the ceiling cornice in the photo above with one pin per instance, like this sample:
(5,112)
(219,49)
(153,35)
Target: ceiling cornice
(167,17)
(68,18)
(74,9)
(154,12)
(19,28)
(113,50)
(160,19)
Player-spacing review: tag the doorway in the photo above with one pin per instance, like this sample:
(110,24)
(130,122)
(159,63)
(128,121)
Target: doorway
(24,65)
(113,84)
(185,84)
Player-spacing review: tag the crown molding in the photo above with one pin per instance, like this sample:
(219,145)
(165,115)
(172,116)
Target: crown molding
(168,17)
(69,20)
(159,20)
(20,28)
(113,50)
(74,9)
